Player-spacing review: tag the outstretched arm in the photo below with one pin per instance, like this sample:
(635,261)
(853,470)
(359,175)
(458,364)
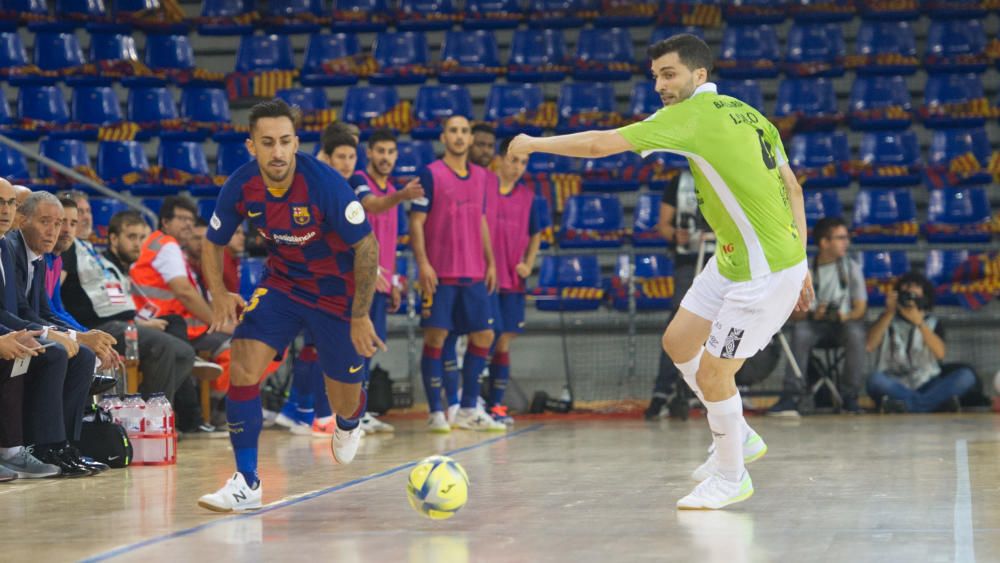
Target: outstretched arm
(588,144)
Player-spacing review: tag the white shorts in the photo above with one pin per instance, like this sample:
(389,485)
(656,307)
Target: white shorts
(745,315)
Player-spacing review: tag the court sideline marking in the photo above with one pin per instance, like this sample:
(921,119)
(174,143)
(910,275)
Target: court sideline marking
(965,549)
(292,501)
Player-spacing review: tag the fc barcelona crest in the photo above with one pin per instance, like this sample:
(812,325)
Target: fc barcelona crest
(301,215)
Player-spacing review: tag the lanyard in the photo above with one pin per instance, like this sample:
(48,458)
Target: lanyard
(109,274)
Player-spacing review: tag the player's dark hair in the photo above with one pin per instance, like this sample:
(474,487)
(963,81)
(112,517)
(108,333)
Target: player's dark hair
(825,226)
(271,108)
(447,120)
(123,220)
(484,128)
(172,203)
(332,142)
(504,146)
(200,221)
(68,202)
(691,50)
(916,278)
(381,136)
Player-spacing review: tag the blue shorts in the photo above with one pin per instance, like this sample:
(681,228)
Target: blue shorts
(380,314)
(274,319)
(462,309)
(508,312)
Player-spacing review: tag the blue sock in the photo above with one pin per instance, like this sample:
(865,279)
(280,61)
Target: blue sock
(475,361)
(302,386)
(499,376)
(322,404)
(243,412)
(432,370)
(355,419)
(451,376)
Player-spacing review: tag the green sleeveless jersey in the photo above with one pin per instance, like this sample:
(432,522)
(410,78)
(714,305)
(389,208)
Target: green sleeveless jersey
(734,153)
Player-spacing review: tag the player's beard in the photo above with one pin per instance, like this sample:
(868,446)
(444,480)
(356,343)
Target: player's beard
(384,168)
(279,179)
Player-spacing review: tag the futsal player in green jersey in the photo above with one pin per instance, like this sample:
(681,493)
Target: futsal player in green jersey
(758,275)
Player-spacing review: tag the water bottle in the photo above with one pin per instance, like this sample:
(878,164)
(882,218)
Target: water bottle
(155,416)
(131,354)
(133,413)
(107,402)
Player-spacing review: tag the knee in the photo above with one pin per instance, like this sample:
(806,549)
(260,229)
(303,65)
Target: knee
(435,337)
(241,374)
(964,380)
(483,338)
(345,404)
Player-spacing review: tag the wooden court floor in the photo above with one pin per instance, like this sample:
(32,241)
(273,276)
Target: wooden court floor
(868,488)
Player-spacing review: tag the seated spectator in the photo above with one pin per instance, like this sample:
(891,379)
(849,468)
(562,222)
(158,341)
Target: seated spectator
(126,231)
(340,151)
(837,315)
(909,344)
(230,256)
(54,265)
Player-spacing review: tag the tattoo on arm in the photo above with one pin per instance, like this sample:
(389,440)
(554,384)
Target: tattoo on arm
(365,275)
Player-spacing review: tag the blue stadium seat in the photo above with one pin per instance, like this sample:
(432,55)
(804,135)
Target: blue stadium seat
(116,160)
(544,163)
(226,17)
(37,8)
(171,52)
(835,11)
(12,51)
(112,47)
(810,98)
(644,99)
(5,115)
(81,9)
(307,99)
(187,157)
(956,46)
(747,91)
(57,51)
(636,13)
(265,52)
(891,46)
(876,101)
(251,271)
(360,16)
(881,269)
(293,16)
(363,103)
(950,144)
(128,7)
(885,215)
(815,49)
(544,221)
(96,105)
(569,283)
(604,54)
(943,89)
(647,215)
(940,269)
(154,204)
(891,11)
(71,153)
(749,51)
(537,55)
(205,105)
(820,204)
(13,165)
(43,103)
(492,14)
(398,55)
(755,12)
(592,221)
(580,97)
(615,173)
(425,15)
(474,54)
(103,209)
(231,155)
(413,155)
(820,156)
(956,9)
(327,47)
(958,215)
(434,104)
(149,106)
(894,157)
(509,100)
(665,162)
(206,207)
(557,14)
(654,283)
(663,32)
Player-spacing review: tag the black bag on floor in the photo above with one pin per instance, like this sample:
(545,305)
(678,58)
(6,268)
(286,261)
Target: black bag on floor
(104,440)
(379,391)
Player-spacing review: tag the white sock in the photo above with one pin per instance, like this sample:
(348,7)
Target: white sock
(689,370)
(10,453)
(725,418)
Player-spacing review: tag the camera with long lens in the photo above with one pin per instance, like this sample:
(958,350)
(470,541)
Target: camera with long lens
(907,298)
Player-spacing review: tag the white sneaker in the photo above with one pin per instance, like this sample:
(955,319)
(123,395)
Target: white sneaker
(234,496)
(716,492)
(452,412)
(345,444)
(204,370)
(300,428)
(371,425)
(478,420)
(754,448)
(437,423)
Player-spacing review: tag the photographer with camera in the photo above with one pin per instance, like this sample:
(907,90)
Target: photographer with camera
(837,313)
(909,342)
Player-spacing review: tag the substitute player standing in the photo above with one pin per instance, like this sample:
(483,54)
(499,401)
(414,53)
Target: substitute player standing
(751,199)
(321,271)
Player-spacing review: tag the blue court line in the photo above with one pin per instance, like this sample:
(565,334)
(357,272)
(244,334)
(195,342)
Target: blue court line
(286,503)
(965,548)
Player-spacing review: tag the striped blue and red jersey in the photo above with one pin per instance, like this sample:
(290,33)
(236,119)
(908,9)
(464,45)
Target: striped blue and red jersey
(308,231)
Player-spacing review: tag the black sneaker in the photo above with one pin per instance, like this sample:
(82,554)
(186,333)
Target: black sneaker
(204,431)
(851,406)
(787,407)
(679,407)
(88,462)
(68,467)
(894,406)
(655,407)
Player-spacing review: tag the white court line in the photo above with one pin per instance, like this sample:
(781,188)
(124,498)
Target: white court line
(965,549)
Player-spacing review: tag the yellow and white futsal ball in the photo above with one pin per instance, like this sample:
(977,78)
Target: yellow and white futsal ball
(438,487)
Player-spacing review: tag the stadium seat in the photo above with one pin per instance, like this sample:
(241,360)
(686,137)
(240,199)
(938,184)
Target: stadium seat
(35,9)
(889,47)
(206,207)
(208,106)
(12,52)
(958,215)
(815,49)
(43,103)
(180,159)
(71,153)
(5,115)
(604,54)
(226,17)
(944,95)
(569,283)
(469,57)
(940,268)
(879,102)
(360,16)
(103,209)
(956,9)
(616,173)
(950,145)
(57,51)
(425,15)
(327,47)
(956,46)
(13,165)
(592,221)
(402,58)
(293,16)
(128,7)
(544,163)
(90,10)
(492,14)
(644,100)
(251,271)
(820,204)
(892,158)
(364,103)
(537,56)
(169,52)
(885,215)
(434,104)
(820,157)
(506,101)
(881,269)
(663,165)
(154,204)
(96,105)
(647,215)
(823,12)
(583,105)
(150,106)
(557,14)
(749,51)
(307,99)
(265,52)
(626,14)
(812,100)
(413,155)
(545,221)
(663,32)
(654,283)
(231,155)
(747,91)
(891,11)
(112,47)
(755,12)
(123,165)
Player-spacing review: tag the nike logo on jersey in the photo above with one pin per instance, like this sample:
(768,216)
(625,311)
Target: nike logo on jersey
(252,214)
(355,369)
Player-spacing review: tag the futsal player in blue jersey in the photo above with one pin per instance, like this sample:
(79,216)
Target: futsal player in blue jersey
(321,271)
